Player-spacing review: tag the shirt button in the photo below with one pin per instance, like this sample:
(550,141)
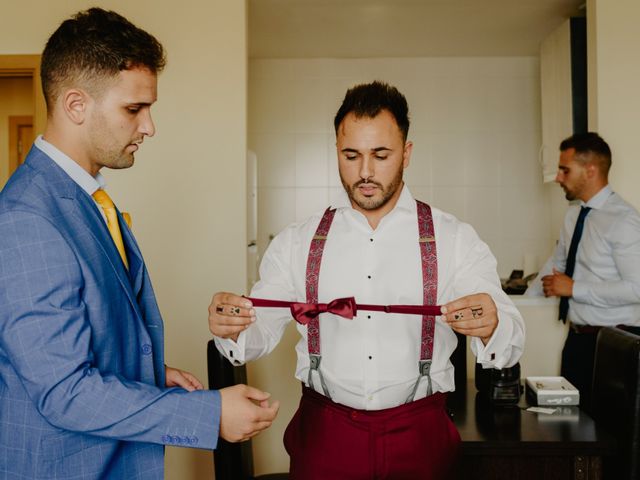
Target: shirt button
(146,349)
(166,439)
(369,316)
(194,440)
(369,276)
(371,239)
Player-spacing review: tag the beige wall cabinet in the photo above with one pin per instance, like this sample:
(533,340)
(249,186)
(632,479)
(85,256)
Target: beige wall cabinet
(556,95)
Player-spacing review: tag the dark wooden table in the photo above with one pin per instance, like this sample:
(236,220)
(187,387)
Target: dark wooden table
(512,443)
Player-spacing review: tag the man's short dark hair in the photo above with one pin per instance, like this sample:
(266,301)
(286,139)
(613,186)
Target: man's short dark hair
(93,46)
(589,147)
(369,99)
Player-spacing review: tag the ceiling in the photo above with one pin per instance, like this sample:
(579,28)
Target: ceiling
(403,28)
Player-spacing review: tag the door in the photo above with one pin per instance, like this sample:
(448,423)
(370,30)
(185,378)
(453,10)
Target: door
(20,140)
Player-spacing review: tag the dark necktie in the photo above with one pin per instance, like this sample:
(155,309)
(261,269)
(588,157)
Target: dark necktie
(571,259)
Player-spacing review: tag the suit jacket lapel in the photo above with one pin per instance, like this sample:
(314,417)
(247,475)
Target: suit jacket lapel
(89,212)
(136,262)
(82,206)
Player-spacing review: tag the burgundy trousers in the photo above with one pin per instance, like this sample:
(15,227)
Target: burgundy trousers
(415,441)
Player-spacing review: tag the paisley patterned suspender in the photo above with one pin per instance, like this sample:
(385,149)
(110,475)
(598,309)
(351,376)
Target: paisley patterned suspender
(429,260)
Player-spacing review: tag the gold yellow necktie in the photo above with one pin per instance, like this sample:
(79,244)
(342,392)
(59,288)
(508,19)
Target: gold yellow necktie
(109,208)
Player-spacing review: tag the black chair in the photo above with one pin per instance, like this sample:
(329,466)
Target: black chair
(232,461)
(616,399)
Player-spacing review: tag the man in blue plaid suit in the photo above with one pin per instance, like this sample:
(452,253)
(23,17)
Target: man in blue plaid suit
(84,392)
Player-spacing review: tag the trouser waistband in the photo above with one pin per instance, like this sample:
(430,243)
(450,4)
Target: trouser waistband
(593,329)
(437,400)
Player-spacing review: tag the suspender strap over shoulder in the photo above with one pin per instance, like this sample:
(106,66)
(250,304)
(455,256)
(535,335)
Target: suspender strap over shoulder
(429,262)
(311,284)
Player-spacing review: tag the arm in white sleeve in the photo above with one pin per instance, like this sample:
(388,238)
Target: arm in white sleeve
(476,273)
(275,283)
(558,260)
(625,249)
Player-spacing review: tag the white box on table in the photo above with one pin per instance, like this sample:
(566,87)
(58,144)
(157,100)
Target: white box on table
(555,391)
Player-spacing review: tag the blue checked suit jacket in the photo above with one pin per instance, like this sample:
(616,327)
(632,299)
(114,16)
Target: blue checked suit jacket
(81,343)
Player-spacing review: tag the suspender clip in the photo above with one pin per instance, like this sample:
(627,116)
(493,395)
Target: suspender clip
(424,367)
(314,361)
(314,364)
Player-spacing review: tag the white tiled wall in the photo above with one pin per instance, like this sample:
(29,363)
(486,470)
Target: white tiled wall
(475,124)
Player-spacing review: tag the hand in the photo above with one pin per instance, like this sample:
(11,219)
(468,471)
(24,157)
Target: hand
(474,315)
(557,285)
(179,378)
(229,314)
(245,412)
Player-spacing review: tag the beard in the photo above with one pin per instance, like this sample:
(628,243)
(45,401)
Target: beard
(380,199)
(107,146)
(569,195)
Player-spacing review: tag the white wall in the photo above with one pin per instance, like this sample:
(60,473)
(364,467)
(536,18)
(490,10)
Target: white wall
(476,133)
(475,128)
(186,192)
(614,79)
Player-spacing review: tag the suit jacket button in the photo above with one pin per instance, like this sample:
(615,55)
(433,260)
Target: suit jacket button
(146,349)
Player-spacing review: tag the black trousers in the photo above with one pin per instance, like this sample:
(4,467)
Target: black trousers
(578,356)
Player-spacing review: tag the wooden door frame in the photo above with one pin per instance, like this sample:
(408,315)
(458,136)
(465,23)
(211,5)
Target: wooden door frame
(29,66)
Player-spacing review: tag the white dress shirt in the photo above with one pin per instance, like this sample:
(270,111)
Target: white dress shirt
(371,362)
(606,288)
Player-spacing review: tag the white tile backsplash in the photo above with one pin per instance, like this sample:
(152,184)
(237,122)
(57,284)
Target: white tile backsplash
(310,201)
(475,129)
(311,160)
(276,155)
(276,210)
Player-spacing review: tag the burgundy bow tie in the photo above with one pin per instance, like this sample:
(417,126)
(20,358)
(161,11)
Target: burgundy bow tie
(304,312)
(345,307)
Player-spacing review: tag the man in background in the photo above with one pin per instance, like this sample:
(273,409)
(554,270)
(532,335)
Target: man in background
(595,268)
(374,386)
(84,391)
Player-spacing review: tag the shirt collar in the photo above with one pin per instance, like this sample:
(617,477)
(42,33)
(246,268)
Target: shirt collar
(405,201)
(600,198)
(78,174)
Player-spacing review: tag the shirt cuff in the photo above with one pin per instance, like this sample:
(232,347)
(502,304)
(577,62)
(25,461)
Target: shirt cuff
(580,292)
(497,352)
(233,350)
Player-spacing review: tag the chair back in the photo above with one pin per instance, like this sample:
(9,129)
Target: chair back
(232,461)
(616,398)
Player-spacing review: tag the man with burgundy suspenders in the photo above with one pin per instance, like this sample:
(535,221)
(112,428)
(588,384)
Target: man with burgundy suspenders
(378,284)
(595,268)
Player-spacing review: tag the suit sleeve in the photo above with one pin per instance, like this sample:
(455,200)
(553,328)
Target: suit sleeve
(46,334)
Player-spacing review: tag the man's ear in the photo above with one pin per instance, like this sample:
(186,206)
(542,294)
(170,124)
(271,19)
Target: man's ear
(406,154)
(592,170)
(74,104)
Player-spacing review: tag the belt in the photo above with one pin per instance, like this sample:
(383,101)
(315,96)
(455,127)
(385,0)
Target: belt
(593,329)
